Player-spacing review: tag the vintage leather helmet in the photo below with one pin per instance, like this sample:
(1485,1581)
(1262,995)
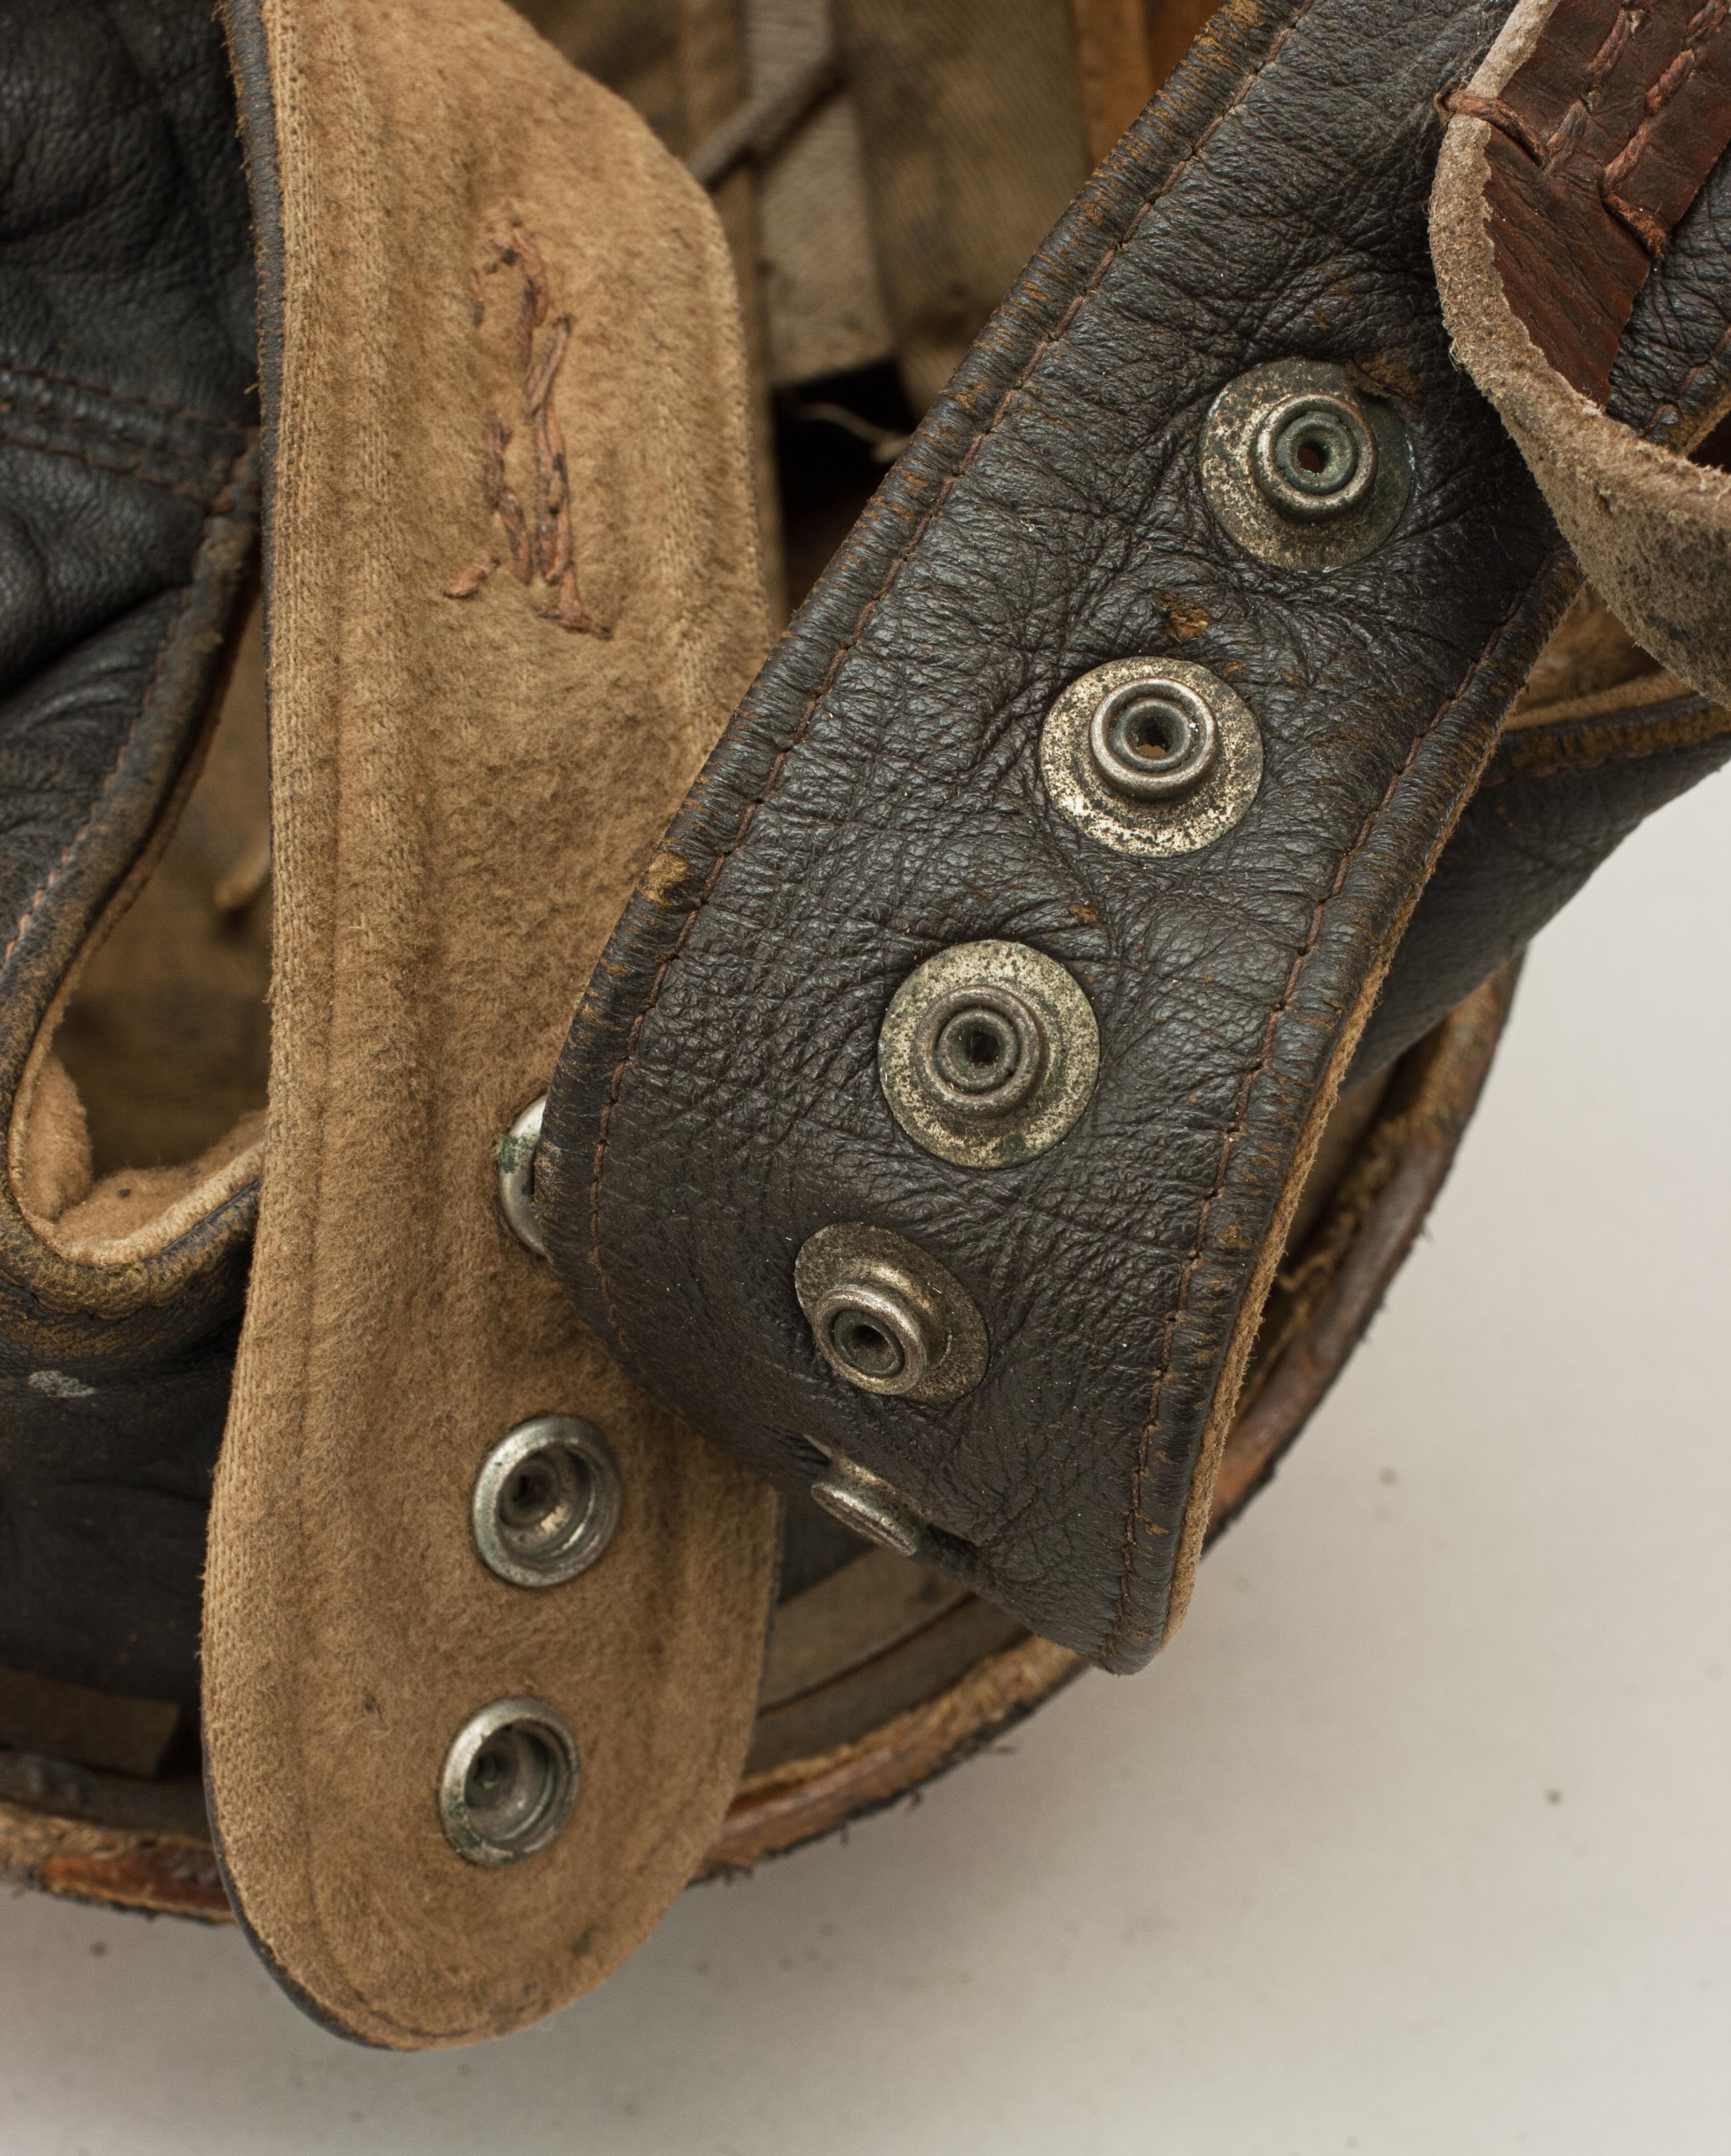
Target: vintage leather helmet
(1011,1055)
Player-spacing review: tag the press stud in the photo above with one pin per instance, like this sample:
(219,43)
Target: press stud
(1151,755)
(509,1781)
(871,1506)
(1302,468)
(546,1502)
(987,1053)
(887,1317)
(515,1159)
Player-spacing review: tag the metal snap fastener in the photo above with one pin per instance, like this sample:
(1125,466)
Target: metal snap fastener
(1151,755)
(871,1506)
(987,1053)
(509,1781)
(546,1502)
(514,1158)
(1314,455)
(1301,468)
(887,1317)
(1153,740)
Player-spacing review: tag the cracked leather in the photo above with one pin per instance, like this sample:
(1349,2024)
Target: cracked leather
(878,798)
(127,527)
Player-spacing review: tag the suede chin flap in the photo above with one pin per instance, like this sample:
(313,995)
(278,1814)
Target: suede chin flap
(511,586)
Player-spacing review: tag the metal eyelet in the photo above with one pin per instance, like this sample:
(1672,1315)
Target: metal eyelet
(987,1053)
(1301,469)
(871,1506)
(509,1781)
(1313,456)
(887,1318)
(546,1502)
(1151,755)
(514,1158)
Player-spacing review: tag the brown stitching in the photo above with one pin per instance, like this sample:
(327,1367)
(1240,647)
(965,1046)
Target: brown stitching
(1646,228)
(1048,342)
(1235,1129)
(544,548)
(203,499)
(145,703)
(1468,105)
(162,404)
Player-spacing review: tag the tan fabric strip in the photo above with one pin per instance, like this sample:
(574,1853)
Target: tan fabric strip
(486,698)
(1651,530)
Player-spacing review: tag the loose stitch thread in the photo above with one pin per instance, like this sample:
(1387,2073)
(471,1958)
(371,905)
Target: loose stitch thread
(1048,342)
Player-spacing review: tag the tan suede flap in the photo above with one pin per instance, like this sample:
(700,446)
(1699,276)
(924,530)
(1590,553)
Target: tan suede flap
(488,692)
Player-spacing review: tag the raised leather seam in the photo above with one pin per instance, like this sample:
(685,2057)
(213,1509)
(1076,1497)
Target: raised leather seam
(1550,752)
(165,405)
(1048,342)
(211,506)
(1235,1129)
(249,1191)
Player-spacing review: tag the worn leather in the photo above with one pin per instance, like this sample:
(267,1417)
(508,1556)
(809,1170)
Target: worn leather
(878,799)
(127,517)
(125,543)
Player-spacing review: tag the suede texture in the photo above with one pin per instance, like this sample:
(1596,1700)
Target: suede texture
(496,658)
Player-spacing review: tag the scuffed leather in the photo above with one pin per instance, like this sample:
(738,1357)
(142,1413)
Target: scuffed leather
(878,798)
(128,517)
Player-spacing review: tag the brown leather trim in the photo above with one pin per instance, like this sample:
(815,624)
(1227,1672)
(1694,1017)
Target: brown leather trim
(1600,140)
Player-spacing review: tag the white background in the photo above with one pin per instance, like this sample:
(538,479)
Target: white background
(1414,1844)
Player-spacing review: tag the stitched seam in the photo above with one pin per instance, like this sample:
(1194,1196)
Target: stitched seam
(1235,1129)
(1050,339)
(126,471)
(122,397)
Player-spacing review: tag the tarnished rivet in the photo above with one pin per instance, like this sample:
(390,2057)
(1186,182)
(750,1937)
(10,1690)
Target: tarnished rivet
(514,1158)
(1153,740)
(1302,467)
(509,1781)
(886,1317)
(987,1053)
(546,1502)
(1151,755)
(871,1506)
(1314,455)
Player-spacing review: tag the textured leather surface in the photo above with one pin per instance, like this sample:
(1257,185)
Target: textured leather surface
(127,517)
(878,799)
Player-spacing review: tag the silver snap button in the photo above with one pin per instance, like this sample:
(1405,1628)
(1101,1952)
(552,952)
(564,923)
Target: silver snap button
(515,1158)
(871,1506)
(1151,755)
(987,1053)
(546,1502)
(509,1781)
(1301,469)
(1314,455)
(887,1318)
(1153,740)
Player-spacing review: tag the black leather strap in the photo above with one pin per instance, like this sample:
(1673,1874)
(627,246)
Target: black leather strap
(880,798)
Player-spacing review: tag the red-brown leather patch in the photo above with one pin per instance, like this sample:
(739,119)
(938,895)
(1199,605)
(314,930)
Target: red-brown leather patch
(1601,140)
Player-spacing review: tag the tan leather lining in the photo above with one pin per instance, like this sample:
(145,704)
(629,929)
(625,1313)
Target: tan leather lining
(485,700)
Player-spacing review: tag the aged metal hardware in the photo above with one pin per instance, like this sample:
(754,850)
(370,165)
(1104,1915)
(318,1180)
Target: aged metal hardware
(546,1502)
(887,1317)
(1301,469)
(871,1506)
(1151,755)
(509,1781)
(989,1052)
(515,1161)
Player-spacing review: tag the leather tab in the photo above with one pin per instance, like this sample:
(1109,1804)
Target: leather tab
(880,799)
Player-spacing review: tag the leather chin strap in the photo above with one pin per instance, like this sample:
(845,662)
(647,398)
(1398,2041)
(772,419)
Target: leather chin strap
(930,1128)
